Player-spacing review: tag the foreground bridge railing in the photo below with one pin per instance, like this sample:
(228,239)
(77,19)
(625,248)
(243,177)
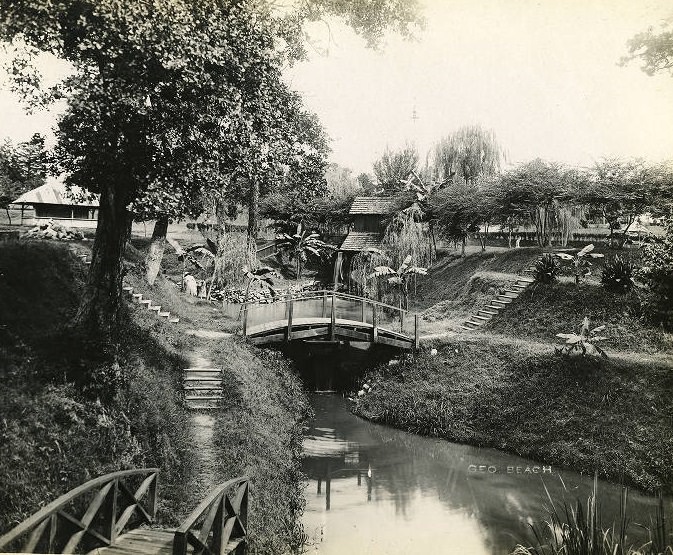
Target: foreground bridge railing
(107,505)
(219,523)
(329,308)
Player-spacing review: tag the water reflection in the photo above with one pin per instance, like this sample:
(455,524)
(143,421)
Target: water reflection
(373,489)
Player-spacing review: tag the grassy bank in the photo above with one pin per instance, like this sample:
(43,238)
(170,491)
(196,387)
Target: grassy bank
(57,433)
(542,311)
(612,416)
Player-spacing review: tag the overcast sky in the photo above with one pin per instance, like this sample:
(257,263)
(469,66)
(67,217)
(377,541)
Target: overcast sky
(543,74)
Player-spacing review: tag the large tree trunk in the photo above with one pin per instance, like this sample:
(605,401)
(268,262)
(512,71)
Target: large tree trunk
(253,213)
(156,251)
(9,217)
(99,310)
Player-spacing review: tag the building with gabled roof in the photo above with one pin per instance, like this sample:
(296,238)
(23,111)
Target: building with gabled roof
(71,207)
(368,226)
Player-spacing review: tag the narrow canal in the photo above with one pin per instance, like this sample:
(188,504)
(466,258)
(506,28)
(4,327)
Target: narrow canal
(376,490)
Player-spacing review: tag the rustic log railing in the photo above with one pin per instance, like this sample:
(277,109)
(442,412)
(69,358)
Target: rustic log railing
(323,304)
(219,524)
(54,529)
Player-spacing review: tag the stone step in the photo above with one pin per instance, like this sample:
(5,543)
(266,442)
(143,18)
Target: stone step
(174,320)
(213,389)
(494,307)
(201,406)
(512,291)
(489,312)
(203,397)
(473,322)
(504,299)
(148,302)
(202,379)
(494,301)
(466,328)
(164,314)
(137,296)
(519,286)
(203,369)
(481,317)
(155,308)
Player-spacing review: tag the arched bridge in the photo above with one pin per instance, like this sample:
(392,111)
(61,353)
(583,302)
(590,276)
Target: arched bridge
(329,316)
(107,516)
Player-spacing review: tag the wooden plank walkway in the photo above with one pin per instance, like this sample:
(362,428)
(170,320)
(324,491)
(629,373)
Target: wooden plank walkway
(150,541)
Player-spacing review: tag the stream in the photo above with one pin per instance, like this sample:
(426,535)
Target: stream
(374,489)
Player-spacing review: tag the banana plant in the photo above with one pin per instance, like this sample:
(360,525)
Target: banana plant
(584,343)
(580,261)
(300,246)
(400,277)
(263,277)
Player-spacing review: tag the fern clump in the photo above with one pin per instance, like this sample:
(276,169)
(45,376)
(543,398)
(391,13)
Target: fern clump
(547,269)
(618,275)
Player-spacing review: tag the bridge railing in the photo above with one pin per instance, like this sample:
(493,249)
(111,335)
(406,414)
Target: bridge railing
(219,523)
(106,505)
(330,305)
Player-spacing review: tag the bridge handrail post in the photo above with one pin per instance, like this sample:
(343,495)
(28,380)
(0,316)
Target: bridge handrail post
(245,320)
(324,304)
(375,324)
(417,338)
(363,302)
(290,310)
(332,325)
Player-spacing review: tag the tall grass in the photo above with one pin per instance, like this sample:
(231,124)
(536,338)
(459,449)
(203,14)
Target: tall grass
(577,529)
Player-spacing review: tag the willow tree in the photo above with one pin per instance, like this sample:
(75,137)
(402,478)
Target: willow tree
(394,167)
(466,154)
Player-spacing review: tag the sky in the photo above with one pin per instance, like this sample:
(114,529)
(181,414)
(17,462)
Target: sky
(542,74)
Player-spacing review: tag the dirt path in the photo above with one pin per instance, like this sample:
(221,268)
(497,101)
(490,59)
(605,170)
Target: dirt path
(202,425)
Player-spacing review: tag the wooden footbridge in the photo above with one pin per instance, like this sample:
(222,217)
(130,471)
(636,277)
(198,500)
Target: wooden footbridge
(117,517)
(329,316)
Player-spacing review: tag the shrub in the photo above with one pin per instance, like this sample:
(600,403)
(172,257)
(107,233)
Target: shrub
(657,273)
(547,269)
(618,275)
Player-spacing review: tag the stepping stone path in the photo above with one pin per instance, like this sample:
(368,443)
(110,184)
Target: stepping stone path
(499,303)
(203,387)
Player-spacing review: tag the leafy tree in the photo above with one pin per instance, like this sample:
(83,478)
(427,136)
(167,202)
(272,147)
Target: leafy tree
(543,189)
(400,277)
(467,154)
(394,167)
(340,181)
(22,168)
(366,183)
(657,273)
(160,87)
(654,50)
(622,191)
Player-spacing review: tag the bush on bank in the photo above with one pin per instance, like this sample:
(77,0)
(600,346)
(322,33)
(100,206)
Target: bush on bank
(584,414)
(55,433)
